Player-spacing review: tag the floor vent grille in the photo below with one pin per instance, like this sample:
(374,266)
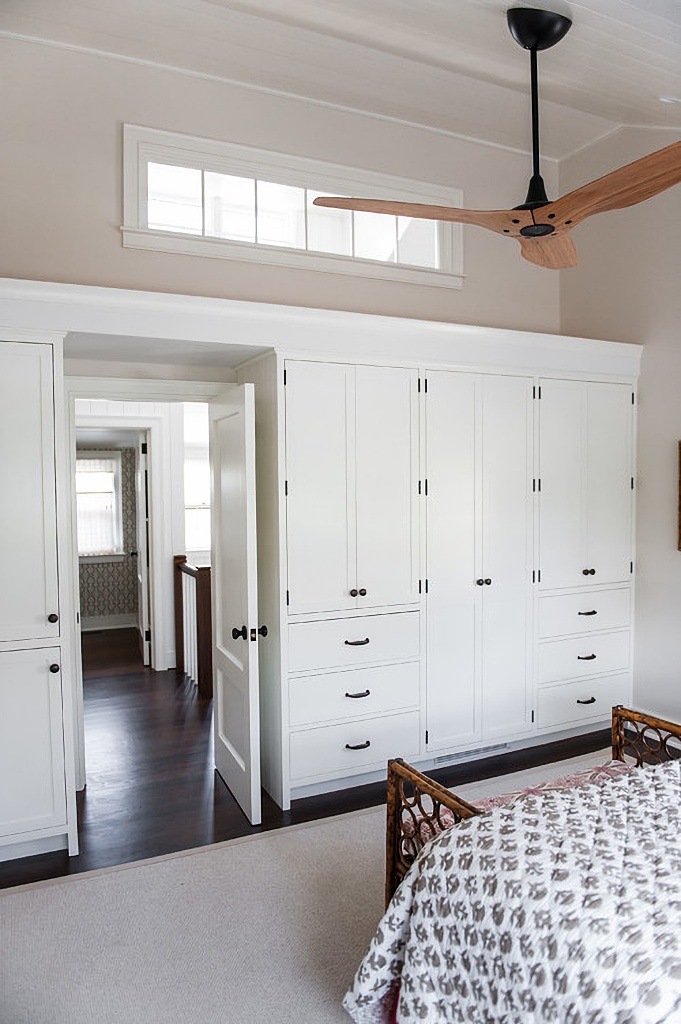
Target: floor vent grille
(468,754)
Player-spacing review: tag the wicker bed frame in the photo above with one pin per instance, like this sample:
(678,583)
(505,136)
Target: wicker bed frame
(416,803)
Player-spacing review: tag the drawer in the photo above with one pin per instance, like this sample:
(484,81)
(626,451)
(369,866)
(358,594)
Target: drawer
(340,643)
(585,656)
(584,613)
(575,702)
(327,751)
(353,694)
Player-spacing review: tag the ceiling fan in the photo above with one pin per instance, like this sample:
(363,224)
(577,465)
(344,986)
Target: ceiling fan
(543,227)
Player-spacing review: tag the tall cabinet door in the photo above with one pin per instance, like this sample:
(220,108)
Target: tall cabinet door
(320,484)
(454,600)
(29,600)
(386,460)
(586,503)
(507,539)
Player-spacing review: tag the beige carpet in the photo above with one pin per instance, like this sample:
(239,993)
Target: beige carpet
(264,930)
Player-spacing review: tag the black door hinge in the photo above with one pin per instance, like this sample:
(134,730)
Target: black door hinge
(426,735)
(419,586)
(631,567)
(147,634)
(533,716)
(418,385)
(287,598)
(286,488)
(633,398)
(143,447)
(632,483)
(426,585)
(284,376)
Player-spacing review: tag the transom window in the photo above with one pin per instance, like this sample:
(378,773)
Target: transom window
(208,198)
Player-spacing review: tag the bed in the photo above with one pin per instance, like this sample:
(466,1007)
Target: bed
(561,904)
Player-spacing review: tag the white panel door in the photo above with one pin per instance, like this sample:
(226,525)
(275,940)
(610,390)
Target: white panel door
(235,597)
(454,600)
(29,605)
(507,553)
(33,790)
(562,472)
(608,486)
(386,459)
(320,483)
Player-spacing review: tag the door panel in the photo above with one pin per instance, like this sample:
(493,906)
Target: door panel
(507,552)
(234,596)
(386,445)
(28,540)
(609,470)
(142,546)
(320,502)
(453,601)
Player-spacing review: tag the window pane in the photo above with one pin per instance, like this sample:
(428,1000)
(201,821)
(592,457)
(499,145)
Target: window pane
(174,201)
(417,242)
(230,207)
(197,529)
(375,236)
(197,481)
(328,230)
(281,215)
(96,524)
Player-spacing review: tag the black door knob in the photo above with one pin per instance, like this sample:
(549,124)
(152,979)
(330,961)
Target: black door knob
(263,630)
(236,633)
(54,668)
(362,592)
(53,617)
(480,583)
(354,592)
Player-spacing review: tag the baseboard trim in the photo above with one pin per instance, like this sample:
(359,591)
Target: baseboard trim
(91,622)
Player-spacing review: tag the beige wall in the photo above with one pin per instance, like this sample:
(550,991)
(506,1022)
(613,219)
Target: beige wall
(628,288)
(61,202)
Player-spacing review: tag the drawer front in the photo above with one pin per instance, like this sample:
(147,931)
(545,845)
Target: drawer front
(328,752)
(341,643)
(353,694)
(586,656)
(576,702)
(584,613)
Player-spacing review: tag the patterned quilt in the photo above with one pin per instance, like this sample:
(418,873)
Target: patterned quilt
(562,908)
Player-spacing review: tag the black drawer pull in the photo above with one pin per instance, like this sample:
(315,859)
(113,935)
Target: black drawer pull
(362,592)
(480,583)
(354,592)
(593,612)
(586,657)
(53,617)
(54,668)
(356,643)
(591,700)
(356,696)
(358,746)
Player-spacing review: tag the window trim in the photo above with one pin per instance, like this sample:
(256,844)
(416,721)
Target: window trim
(144,145)
(119,554)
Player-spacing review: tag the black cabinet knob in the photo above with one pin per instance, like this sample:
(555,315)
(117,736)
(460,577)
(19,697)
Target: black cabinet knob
(588,572)
(236,633)
(354,592)
(480,583)
(362,592)
(53,617)
(488,583)
(54,668)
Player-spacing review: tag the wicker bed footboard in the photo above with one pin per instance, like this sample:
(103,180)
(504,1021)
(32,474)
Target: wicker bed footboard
(418,808)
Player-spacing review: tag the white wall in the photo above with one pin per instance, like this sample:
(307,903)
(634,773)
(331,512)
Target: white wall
(627,287)
(61,201)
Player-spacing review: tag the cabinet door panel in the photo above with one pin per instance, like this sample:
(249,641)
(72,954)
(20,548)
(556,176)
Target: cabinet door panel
(562,471)
(32,794)
(454,601)
(319,405)
(609,471)
(507,552)
(386,445)
(28,530)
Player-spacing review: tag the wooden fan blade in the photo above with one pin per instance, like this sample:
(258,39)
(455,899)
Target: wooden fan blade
(555,252)
(502,221)
(624,187)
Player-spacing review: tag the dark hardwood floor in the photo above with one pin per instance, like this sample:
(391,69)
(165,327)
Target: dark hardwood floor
(151,785)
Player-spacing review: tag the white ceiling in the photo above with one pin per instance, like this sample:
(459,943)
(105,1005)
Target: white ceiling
(448,64)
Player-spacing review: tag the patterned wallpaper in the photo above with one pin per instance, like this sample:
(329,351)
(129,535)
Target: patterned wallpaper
(110,588)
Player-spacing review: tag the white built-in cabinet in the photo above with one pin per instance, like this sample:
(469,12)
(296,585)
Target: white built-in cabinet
(455,559)
(36,791)
(586,559)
